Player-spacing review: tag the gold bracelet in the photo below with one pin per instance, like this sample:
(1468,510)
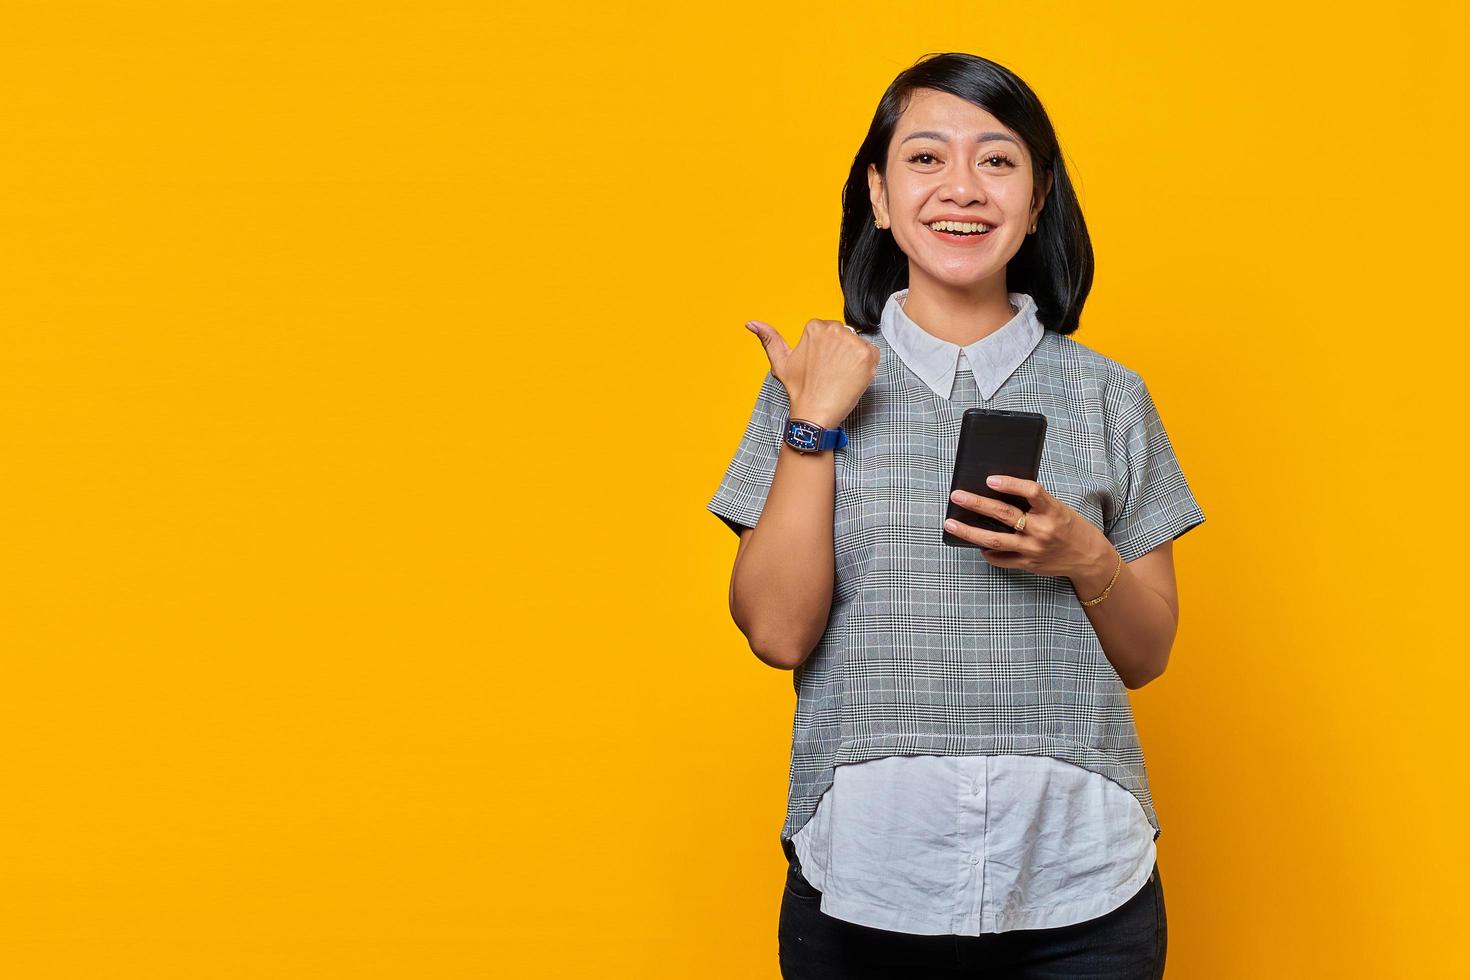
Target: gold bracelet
(1093,602)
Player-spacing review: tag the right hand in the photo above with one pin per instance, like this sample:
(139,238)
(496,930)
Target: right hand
(826,374)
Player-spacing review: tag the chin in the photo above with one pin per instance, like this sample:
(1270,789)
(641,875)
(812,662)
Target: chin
(961,275)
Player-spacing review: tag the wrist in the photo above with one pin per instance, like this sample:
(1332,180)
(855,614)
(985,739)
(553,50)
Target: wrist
(824,417)
(1097,570)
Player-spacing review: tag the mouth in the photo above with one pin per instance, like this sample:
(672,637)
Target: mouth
(953,233)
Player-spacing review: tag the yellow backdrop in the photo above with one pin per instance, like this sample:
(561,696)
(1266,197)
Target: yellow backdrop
(367,368)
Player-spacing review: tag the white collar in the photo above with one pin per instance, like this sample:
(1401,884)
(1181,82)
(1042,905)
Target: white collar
(992,359)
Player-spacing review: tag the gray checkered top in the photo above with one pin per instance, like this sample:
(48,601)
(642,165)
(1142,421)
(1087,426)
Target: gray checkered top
(929,649)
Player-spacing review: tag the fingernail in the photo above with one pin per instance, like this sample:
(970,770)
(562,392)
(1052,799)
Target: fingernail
(750,326)
(994,481)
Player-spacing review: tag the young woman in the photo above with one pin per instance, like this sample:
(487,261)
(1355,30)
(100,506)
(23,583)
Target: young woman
(968,795)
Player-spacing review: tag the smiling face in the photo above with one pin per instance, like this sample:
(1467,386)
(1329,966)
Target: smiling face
(949,157)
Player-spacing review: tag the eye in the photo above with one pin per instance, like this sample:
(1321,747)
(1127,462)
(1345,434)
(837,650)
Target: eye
(924,155)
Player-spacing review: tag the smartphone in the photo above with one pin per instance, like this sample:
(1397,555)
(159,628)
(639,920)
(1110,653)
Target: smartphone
(994,441)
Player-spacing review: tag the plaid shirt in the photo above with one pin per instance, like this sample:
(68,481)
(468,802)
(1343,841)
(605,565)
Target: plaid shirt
(929,649)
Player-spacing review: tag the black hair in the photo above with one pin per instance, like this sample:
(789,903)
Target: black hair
(1054,265)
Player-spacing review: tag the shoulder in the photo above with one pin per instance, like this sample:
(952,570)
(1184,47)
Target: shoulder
(1120,385)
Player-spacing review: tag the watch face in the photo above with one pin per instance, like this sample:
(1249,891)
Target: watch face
(803,435)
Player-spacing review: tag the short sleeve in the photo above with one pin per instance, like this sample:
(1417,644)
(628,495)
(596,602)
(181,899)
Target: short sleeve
(742,493)
(1156,503)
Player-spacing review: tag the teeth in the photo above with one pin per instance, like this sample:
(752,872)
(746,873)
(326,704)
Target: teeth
(959,226)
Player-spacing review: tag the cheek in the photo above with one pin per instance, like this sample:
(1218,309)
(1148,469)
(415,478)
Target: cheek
(1016,206)
(905,202)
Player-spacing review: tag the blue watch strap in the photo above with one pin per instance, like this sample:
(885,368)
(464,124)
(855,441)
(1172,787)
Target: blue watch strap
(832,439)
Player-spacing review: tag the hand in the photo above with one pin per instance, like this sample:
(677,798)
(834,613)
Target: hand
(1057,540)
(826,374)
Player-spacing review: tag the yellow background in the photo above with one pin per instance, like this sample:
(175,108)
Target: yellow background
(367,368)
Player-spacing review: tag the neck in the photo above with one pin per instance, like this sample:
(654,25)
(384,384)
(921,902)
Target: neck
(959,315)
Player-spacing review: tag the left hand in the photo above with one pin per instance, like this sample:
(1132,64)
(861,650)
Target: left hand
(1057,540)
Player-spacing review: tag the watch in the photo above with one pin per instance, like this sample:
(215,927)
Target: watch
(808,437)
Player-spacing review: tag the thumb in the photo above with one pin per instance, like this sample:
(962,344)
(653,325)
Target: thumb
(771,340)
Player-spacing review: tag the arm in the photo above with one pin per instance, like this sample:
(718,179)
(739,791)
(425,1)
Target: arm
(781,586)
(1137,622)
(781,501)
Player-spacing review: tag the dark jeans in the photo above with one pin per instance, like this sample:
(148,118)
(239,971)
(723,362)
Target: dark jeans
(1127,943)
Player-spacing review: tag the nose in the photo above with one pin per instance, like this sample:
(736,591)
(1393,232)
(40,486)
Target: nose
(963,189)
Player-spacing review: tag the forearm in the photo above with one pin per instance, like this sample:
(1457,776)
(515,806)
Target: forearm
(781,588)
(1134,623)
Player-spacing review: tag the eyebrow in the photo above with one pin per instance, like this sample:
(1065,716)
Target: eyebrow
(944,137)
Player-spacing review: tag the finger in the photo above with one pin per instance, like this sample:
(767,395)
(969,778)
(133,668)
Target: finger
(771,340)
(961,530)
(981,504)
(1001,559)
(1019,487)
(994,540)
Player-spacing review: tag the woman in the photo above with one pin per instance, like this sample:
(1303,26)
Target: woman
(967,791)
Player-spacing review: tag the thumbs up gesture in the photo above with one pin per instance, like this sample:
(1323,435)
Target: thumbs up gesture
(827,372)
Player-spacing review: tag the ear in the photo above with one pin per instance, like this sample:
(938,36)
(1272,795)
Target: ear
(1045,192)
(876,194)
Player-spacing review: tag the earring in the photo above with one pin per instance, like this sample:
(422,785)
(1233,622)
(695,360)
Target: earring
(877,223)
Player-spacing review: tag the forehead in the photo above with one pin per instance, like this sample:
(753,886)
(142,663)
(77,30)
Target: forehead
(963,120)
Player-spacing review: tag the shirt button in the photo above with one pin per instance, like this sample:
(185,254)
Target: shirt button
(974,859)
(976,789)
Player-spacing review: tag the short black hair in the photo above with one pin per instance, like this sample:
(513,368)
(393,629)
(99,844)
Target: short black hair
(1054,265)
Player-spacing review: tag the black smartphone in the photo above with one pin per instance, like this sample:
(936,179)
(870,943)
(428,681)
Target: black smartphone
(994,441)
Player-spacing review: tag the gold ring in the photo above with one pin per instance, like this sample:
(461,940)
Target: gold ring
(1021,524)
